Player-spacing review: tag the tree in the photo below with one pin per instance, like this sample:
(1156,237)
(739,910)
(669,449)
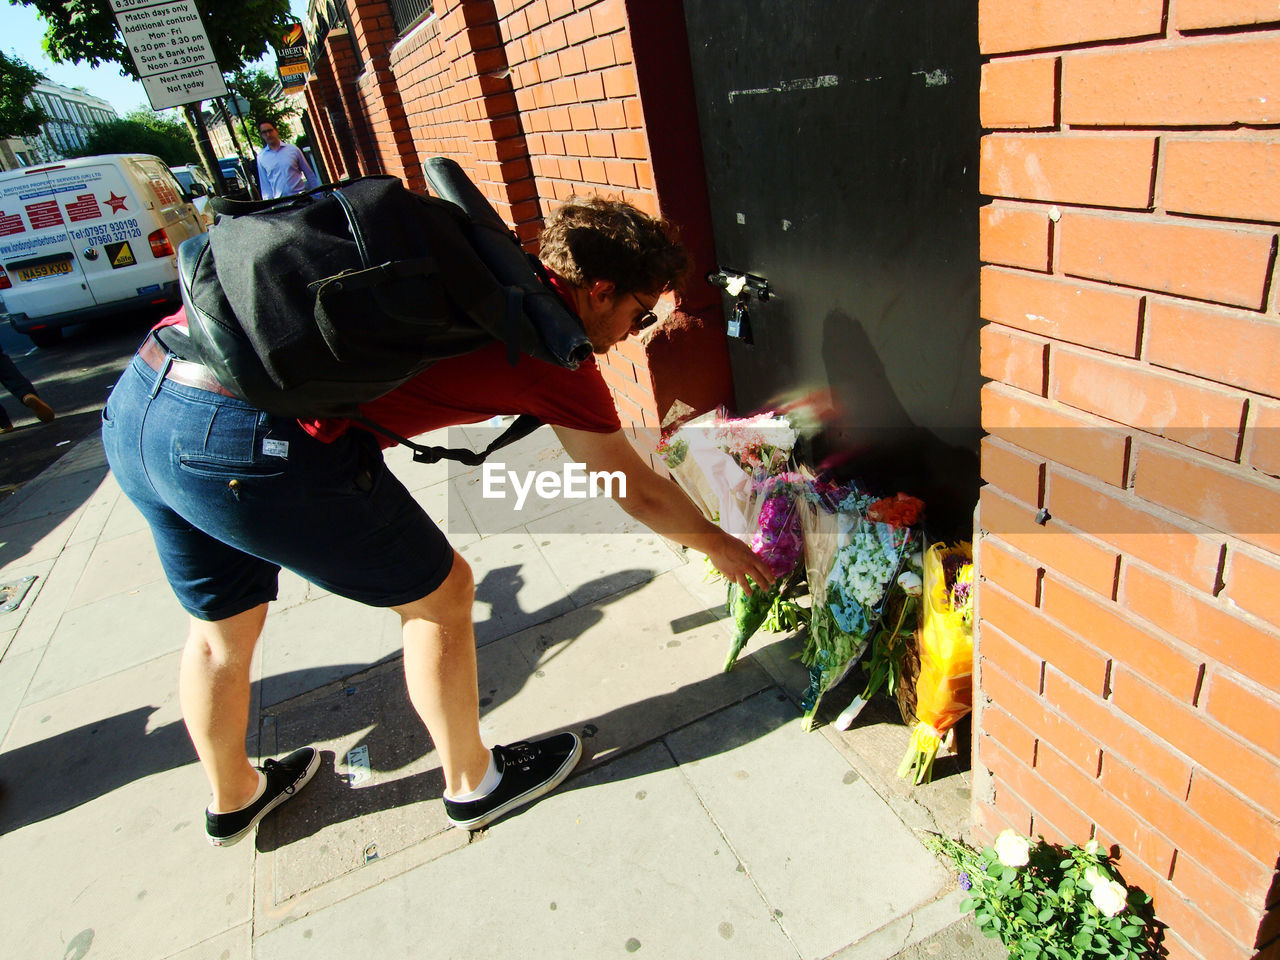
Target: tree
(18,118)
(142,131)
(259,88)
(85,30)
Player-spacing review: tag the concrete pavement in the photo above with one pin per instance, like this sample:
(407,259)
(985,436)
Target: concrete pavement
(702,822)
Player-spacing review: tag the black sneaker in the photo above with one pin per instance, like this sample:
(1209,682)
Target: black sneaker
(528,771)
(284,778)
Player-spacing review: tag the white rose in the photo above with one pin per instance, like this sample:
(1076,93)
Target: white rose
(911,583)
(1091,848)
(1108,896)
(1012,849)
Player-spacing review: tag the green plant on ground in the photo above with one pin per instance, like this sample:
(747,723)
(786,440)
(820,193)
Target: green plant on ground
(1046,901)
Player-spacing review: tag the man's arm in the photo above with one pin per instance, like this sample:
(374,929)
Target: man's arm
(662,506)
(265,186)
(310,175)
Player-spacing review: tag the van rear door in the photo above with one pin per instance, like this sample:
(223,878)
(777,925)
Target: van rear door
(105,220)
(36,250)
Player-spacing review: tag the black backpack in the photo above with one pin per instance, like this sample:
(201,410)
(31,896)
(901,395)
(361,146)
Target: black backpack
(309,305)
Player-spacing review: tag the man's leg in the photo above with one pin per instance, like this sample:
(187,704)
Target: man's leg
(214,690)
(440,672)
(481,785)
(12,377)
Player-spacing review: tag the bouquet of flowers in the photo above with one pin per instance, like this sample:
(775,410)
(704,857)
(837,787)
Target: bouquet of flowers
(852,558)
(1052,902)
(674,450)
(777,541)
(944,690)
(736,472)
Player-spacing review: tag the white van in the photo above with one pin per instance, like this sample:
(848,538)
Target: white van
(83,239)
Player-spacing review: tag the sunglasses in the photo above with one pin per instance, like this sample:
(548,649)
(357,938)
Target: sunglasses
(646,319)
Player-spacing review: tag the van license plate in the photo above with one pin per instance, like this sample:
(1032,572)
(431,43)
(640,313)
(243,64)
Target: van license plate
(44,270)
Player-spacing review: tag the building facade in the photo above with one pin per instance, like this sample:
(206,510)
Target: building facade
(72,113)
(1128,204)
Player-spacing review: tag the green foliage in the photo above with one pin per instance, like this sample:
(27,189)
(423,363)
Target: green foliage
(258,86)
(142,131)
(17,117)
(1045,909)
(85,30)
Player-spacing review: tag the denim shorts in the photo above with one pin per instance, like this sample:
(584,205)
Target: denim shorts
(232,494)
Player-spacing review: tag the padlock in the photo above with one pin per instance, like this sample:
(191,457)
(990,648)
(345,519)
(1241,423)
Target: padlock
(739,325)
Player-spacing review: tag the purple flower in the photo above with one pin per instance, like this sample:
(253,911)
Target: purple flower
(778,541)
(965,882)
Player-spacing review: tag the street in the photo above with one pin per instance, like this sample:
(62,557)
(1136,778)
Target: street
(74,378)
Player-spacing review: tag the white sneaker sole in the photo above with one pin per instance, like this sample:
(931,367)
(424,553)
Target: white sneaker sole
(528,796)
(281,797)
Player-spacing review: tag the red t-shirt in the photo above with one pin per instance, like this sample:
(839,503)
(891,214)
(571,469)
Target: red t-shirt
(479,385)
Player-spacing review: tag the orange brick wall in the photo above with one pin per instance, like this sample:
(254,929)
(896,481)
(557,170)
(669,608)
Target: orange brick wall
(536,99)
(1129,644)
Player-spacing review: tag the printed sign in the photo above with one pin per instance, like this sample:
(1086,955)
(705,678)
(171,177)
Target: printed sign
(84,207)
(120,255)
(291,47)
(170,50)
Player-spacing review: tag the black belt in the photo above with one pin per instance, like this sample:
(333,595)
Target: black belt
(185,372)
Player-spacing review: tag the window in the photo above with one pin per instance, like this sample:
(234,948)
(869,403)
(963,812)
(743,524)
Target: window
(407,14)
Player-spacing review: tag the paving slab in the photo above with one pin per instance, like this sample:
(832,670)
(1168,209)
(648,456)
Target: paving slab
(583,873)
(117,566)
(747,763)
(11,620)
(16,671)
(101,827)
(317,642)
(124,519)
(45,613)
(539,452)
(595,549)
(456,524)
(33,540)
(515,586)
(621,675)
(53,497)
(233,944)
(146,623)
(352,813)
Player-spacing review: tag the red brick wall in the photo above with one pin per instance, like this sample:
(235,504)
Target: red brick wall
(1129,645)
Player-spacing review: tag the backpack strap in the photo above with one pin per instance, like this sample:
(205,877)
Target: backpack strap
(238,208)
(524,425)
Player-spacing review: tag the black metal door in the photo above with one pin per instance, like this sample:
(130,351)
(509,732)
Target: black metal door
(841,148)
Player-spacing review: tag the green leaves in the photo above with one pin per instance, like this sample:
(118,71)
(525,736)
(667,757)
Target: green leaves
(17,117)
(1043,911)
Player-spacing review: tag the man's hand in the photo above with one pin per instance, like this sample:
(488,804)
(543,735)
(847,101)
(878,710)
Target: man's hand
(662,506)
(737,562)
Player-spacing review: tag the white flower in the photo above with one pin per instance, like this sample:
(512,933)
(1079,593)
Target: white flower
(1108,896)
(911,583)
(1012,849)
(1091,848)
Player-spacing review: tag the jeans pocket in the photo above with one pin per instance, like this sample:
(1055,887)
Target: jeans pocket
(216,469)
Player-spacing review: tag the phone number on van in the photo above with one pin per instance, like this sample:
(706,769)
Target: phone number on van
(107,232)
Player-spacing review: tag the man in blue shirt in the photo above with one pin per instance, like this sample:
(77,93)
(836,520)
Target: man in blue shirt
(282,169)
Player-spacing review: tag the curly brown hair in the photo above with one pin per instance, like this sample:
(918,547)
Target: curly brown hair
(591,238)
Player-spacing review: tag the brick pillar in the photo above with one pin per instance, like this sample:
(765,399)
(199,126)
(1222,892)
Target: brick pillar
(1128,637)
(375,33)
(324,133)
(346,73)
(332,113)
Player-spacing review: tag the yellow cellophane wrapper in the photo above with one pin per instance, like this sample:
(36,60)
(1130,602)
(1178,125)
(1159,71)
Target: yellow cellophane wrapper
(944,690)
